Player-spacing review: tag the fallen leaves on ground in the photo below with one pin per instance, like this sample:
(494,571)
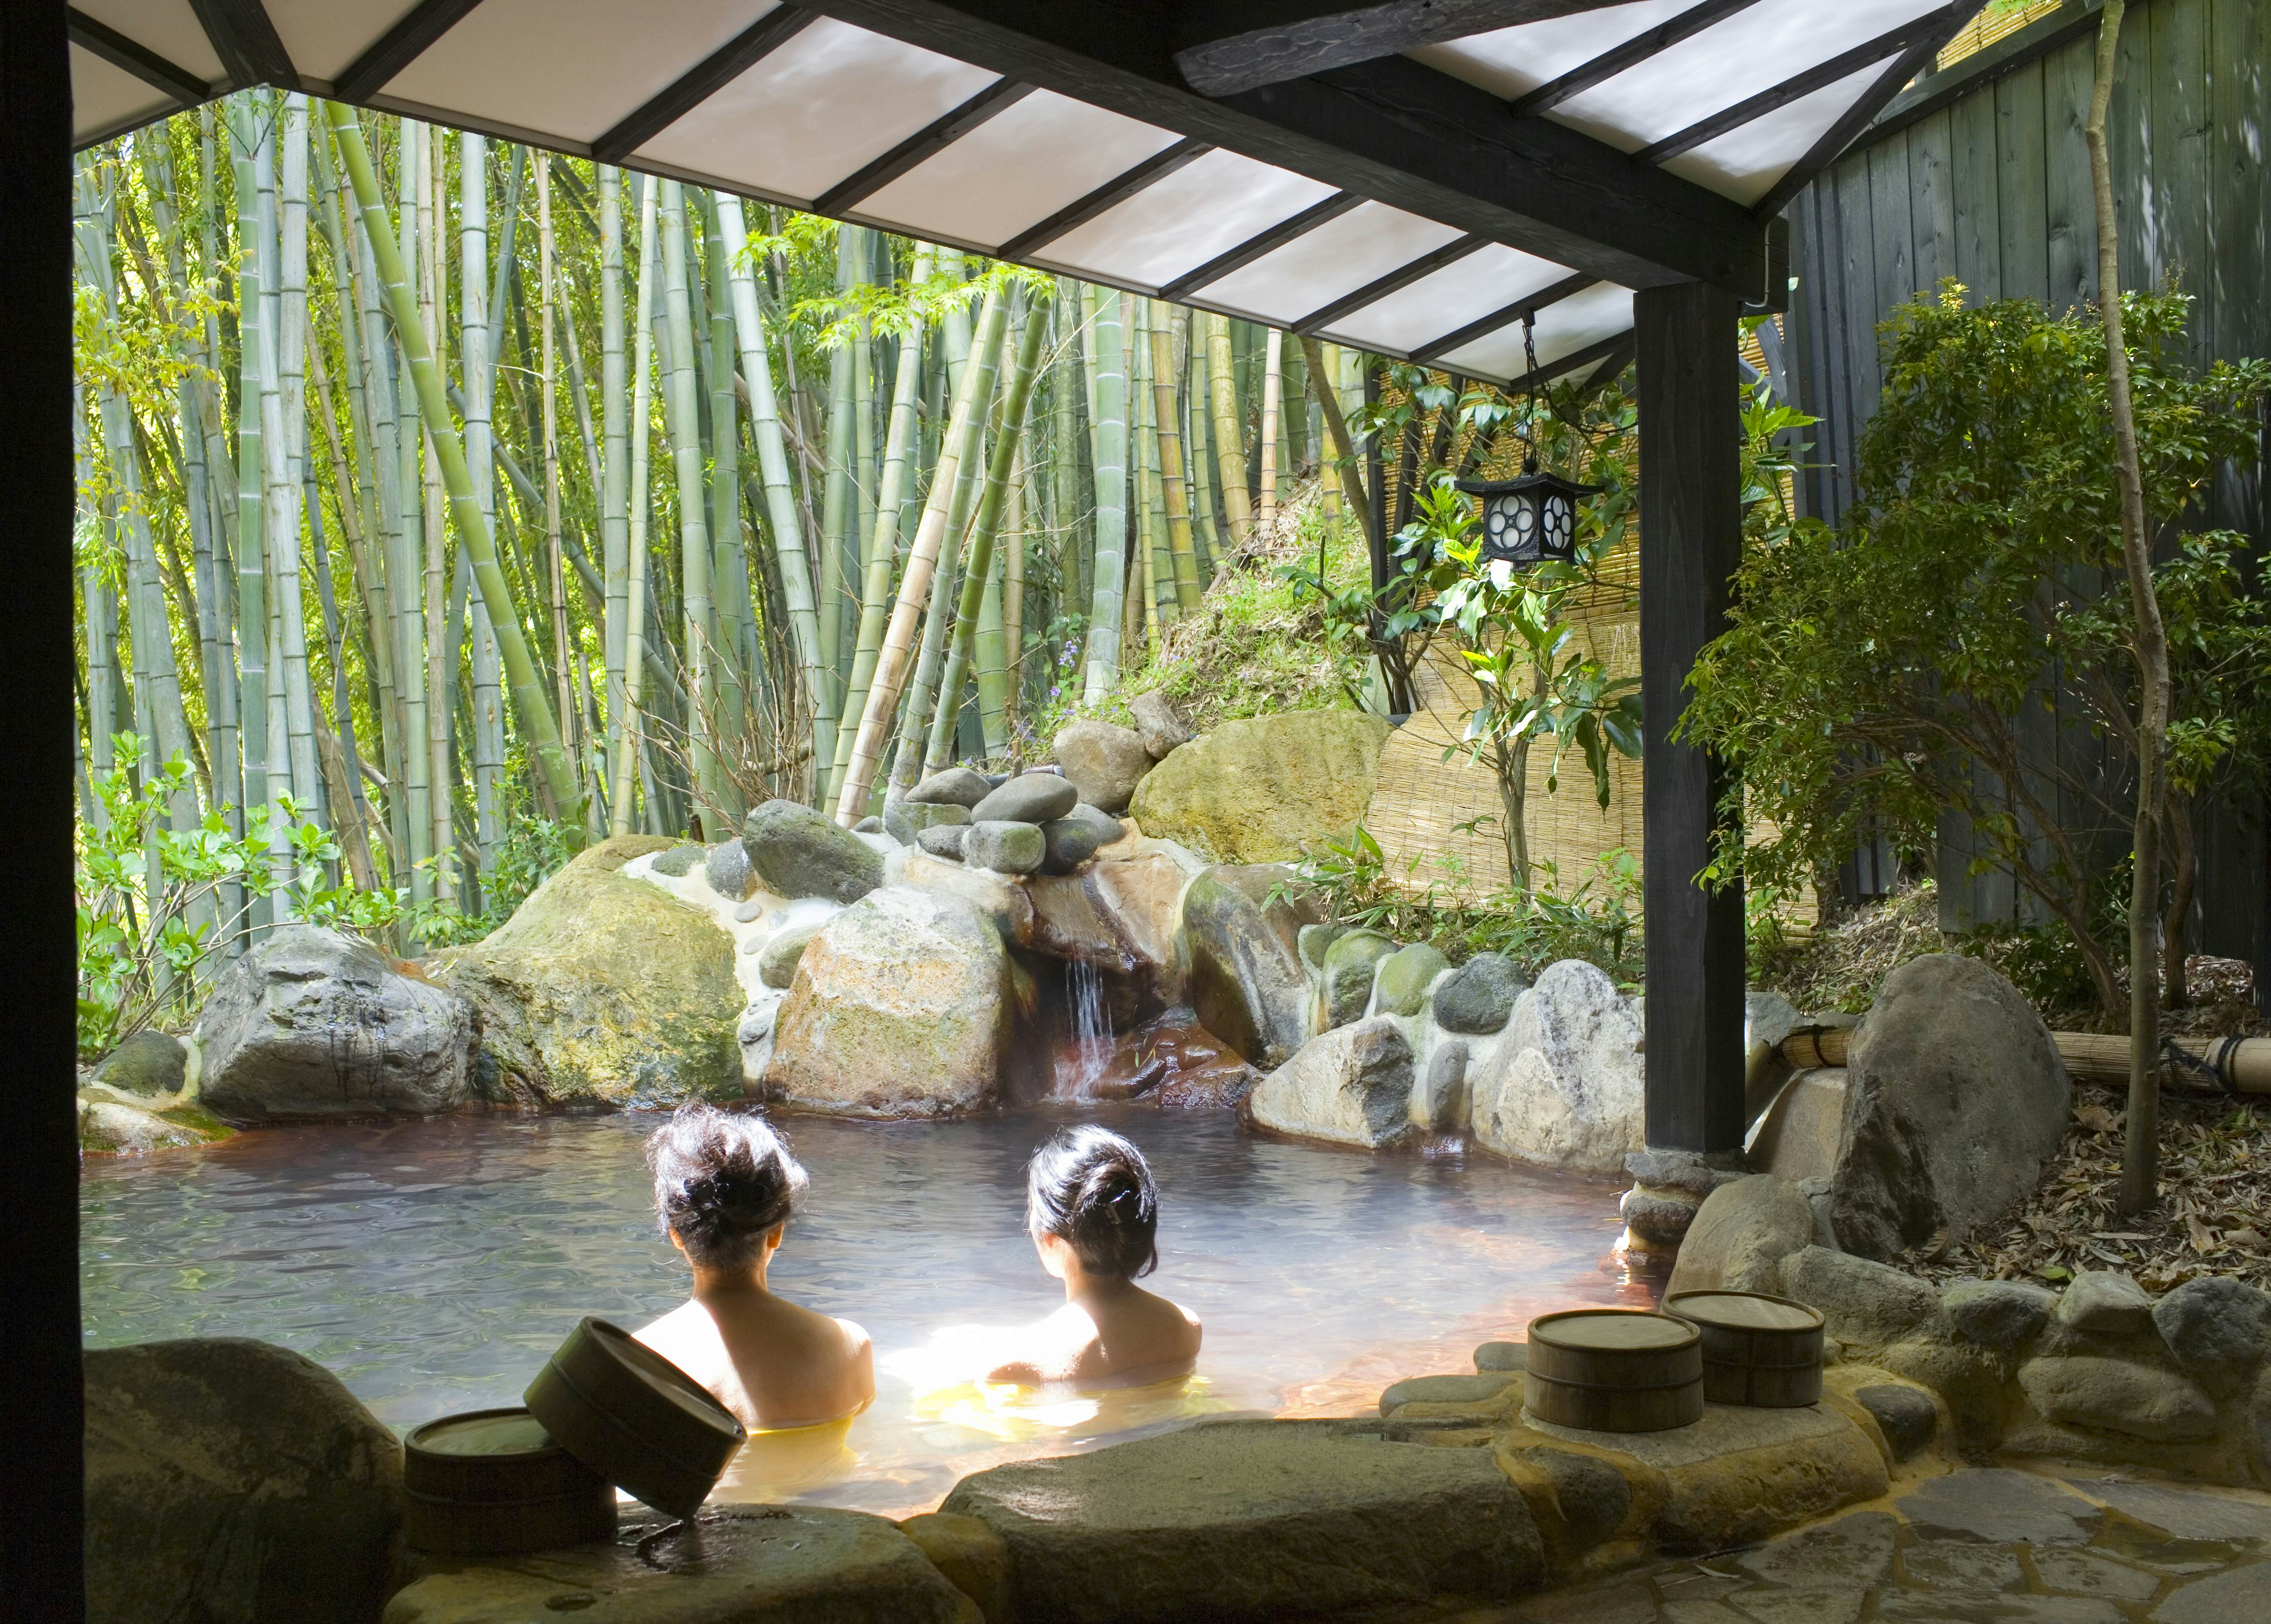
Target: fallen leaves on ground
(2213,1217)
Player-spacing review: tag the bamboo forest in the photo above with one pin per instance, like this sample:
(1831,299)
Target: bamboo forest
(447,504)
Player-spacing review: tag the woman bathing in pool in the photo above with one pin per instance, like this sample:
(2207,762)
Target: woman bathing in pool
(724,1188)
(1093,1211)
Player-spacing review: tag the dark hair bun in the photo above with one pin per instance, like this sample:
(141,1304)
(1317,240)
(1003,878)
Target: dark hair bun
(723,1182)
(1093,1190)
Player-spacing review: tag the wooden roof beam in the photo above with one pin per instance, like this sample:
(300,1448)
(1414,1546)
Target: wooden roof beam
(1228,46)
(927,143)
(1521,310)
(251,50)
(1109,196)
(132,56)
(719,69)
(398,46)
(1381,286)
(1179,291)
(1394,129)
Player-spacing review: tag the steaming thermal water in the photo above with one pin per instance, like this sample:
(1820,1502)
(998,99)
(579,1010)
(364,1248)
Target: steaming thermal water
(434,1265)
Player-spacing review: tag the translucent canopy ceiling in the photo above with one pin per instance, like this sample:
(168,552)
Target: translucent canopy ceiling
(1280,196)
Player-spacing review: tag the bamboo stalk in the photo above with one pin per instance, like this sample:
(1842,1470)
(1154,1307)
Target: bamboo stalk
(1273,384)
(977,568)
(914,586)
(1164,374)
(536,718)
(628,735)
(1229,431)
(1108,381)
(875,589)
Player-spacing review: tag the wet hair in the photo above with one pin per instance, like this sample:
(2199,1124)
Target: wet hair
(723,1182)
(1093,1190)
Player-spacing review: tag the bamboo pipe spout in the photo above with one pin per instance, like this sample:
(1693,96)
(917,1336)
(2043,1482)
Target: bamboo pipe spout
(2239,1065)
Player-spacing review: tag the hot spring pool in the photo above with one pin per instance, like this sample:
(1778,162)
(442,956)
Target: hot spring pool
(434,1265)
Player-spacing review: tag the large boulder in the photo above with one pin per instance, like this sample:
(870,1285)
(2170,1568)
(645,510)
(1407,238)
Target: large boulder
(1247,982)
(2218,1327)
(1956,1096)
(901,1007)
(1351,1086)
(1404,976)
(1870,1303)
(1563,1087)
(605,990)
(1255,1520)
(1264,789)
(312,1023)
(1741,1234)
(798,852)
(1104,763)
(233,1482)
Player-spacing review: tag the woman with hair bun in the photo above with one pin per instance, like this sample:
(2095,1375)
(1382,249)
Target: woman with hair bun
(1093,1211)
(725,1187)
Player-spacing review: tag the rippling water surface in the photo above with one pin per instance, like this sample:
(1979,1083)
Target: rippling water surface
(433,1266)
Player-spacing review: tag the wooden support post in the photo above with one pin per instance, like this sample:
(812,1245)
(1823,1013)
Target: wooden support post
(41,1548)
(1690,544)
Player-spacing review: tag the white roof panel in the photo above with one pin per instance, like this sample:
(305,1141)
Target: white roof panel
(1513,61)
(572,68)
(324,38)
(825,104)
(108,98)
(1015,170)
(169,28)
(1564,328)
(1328,263)
(1745,163)
(1202,210)
(1442,300)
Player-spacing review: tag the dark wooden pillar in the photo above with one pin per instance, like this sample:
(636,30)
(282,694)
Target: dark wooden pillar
(1690,544)
(42,1421)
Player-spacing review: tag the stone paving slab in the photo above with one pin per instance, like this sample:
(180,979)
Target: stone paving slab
(1977,1547)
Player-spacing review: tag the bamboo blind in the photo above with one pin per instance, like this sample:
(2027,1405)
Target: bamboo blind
(1984,30)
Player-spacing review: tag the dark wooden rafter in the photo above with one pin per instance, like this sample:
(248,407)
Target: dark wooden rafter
(1394,129)
(1930,27)
(931,139)
(1521,310)
(398,46)
(1560,366)
(242,36)
(1254,247)
(1108,196)
(134,57)
(1381,286)
(1857,118)
(1228,46)
(1631,54)
(715,71)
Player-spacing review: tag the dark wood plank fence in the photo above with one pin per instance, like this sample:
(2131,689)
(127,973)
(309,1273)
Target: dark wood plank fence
(1980,173)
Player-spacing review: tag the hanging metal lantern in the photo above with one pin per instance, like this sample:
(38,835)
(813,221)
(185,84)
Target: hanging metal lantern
(1530,520)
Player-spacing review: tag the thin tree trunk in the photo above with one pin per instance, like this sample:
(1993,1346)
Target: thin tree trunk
(837,507)
(978,567)
(2141,1148)
(1343,453)
(1108,372)
(781,512)
(614,516)
(245,136)
(1167,327)
(631,735)
(883,550)
(882,694)
(681,406)
(1273,383)
(558,772)
(1229,431)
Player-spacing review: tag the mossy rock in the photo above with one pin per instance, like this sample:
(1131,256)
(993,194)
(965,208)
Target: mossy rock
(603,990)
(1264,789)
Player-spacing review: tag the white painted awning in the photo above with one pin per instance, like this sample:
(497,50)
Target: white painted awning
(1053,133)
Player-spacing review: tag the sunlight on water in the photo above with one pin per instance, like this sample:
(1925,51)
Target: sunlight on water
(434,1265)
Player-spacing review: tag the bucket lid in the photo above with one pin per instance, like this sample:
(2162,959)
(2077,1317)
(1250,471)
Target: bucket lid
(635,1418)
(1743,1311)
(1612,1330)
(483,1432)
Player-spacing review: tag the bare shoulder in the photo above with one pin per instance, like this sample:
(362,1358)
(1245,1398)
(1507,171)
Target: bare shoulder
(855,1336)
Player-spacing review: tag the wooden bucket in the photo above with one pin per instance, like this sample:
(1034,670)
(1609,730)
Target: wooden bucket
(1761,1351)
(1614,1370)
(634,1417)
(495,1483)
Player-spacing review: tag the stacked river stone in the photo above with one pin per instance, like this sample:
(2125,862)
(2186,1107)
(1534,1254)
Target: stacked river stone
(1034,823)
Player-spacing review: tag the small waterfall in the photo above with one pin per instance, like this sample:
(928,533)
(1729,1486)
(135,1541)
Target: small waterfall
(1090,1029)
